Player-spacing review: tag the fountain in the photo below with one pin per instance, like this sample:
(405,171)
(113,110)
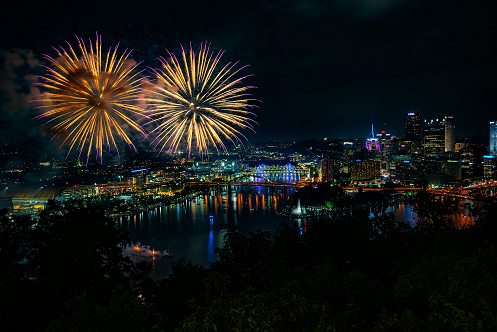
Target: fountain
(298,210)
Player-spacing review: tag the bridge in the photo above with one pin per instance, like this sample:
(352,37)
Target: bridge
(276,169)
(249,175)
(435,191)
(482,185)
(251,183)
(264,173)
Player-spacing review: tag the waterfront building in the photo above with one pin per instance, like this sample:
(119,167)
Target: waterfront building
(412,126)
(493,138)
(28,200)
(449,134)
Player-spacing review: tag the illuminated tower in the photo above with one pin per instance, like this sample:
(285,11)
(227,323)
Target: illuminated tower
(493,138)
(412,126)
(434,138)
(372,142)
(449,134)
(327,169)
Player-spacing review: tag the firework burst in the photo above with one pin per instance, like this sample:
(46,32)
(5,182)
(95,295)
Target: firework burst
(193,101)
(91,97)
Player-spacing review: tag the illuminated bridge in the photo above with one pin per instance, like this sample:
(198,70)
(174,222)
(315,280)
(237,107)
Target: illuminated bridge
(277,169)
(266,175)
(482,185)
(237,182)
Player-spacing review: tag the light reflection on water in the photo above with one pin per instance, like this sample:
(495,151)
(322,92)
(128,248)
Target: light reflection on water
(404,212)
(192,229)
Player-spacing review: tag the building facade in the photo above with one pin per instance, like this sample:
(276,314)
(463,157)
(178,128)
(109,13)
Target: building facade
(412,126)
(454,168)
(434,138)
(364,171)
(493,138)
(327,169)
(450,128)
(489,167)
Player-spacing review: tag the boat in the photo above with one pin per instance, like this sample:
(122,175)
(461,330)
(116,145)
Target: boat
(138,250)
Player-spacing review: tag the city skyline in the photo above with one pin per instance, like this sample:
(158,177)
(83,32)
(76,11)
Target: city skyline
(322,69)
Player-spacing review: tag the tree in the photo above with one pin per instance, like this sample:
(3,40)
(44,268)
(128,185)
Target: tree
(124,312)
(75,250)
(433,213)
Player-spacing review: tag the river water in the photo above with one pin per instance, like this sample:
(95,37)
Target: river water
(193,229)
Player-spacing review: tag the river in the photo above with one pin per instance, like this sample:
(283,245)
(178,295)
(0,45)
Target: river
(193,229)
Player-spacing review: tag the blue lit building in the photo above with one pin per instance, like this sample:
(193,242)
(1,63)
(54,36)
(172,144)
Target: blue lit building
(493,138)
(489,167)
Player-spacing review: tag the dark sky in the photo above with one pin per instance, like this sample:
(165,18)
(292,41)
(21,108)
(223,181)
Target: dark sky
(322,68)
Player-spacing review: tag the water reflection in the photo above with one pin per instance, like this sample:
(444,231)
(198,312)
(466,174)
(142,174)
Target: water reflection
(193,228)
(210,248)
(404,212)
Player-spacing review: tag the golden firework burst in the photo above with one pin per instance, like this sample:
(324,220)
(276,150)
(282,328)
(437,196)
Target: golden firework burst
(91,97)
(194,101)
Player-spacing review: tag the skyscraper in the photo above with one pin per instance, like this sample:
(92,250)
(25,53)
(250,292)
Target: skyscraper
(327,169)
(372,143)
(434,138)
(489,167)
(449,134)
(493,138)
(412,126)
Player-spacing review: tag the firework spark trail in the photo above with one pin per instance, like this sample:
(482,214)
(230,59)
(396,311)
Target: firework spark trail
(90,98)
(198,102)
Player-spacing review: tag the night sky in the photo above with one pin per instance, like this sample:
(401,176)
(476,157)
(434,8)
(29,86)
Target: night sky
(322,68)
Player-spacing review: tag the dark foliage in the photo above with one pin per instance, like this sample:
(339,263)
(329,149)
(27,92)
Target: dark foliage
(71,250)
(351,274)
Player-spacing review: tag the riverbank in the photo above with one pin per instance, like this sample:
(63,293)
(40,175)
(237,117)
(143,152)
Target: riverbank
(167,201)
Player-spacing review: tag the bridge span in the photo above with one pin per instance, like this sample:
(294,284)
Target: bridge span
(251,183)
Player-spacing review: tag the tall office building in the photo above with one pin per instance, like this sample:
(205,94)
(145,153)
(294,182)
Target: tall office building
(372,143)
(327,169)
(449,134)
(434,138)
(385,142)
(489,167)
(493,138)
(412,126)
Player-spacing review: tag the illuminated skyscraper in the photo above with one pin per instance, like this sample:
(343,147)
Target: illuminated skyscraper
(385,142)
(434,138)
(372,143)
(412,126)
(449,134)
(493,138)
(489,167)
(327,169)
